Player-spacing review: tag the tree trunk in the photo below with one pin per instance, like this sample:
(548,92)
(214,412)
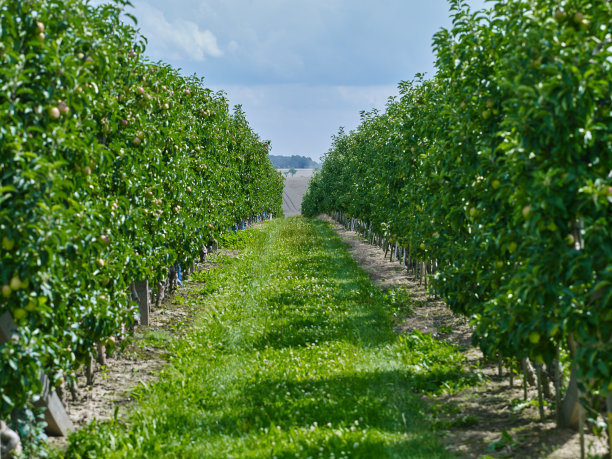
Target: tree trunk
(525,363)
(101,351)
(89,372)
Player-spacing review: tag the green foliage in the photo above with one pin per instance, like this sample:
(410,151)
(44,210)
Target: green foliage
(238,240)
(293,355)
(500,168)
(112,168)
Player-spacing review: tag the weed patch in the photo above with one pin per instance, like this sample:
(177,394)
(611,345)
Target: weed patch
(237,240)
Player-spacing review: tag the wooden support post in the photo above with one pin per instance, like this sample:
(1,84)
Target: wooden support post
(10,443)
(58,422)
(609,410)
(8,329)
(524,381)
(144,301)
(540,391)
(558,384)
(581,430)
(570,407)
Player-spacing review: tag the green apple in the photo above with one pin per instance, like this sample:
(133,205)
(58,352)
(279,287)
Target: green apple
(578,18)
(7,244)
(31,306)
(15,283)
(526,211)
(54,113)
(63,108)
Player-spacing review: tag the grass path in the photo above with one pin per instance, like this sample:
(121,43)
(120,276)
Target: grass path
(292,355)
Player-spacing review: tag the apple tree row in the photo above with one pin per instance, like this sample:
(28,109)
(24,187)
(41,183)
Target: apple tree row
(112,169)
(500,168)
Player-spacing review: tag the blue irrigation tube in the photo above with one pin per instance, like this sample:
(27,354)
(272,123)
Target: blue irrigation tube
(180,281)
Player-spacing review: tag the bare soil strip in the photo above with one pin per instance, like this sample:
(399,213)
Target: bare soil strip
(295,187)
(490,419)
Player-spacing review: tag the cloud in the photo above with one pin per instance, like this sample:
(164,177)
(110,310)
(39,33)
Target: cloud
(177,39)
(339,42)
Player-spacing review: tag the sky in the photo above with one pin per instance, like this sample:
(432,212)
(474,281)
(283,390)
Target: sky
(299,68)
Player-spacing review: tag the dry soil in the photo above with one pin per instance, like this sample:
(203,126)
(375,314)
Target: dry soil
(295,187)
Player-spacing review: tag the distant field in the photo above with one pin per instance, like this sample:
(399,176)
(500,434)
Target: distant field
(295,187)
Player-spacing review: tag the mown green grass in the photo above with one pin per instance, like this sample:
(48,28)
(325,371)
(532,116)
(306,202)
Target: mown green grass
(293,355)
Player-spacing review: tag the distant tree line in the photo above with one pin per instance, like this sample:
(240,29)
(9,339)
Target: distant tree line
(295,161)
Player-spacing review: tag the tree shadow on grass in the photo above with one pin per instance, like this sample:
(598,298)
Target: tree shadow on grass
(385,400)
(301,321)
(341,268)
(416,447)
